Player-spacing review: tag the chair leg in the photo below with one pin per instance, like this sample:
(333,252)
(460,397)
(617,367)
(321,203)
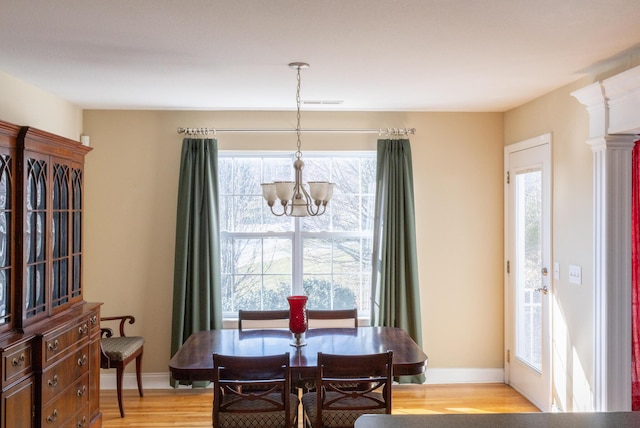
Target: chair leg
(119,376)
(139,373)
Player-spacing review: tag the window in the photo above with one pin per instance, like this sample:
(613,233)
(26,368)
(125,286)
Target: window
(266,258)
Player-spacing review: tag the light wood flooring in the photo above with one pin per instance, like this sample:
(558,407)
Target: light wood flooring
(192,408)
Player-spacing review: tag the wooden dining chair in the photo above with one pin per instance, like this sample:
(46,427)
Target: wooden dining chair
(333,318)
(251,320)
(236,401)
(336,402)
(118,351)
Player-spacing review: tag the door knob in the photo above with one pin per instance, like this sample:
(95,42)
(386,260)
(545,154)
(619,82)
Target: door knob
(545,271)
(544,290)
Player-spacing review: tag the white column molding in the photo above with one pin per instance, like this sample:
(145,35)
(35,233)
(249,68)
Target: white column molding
(623,98)
(612,271)
(613,126)
(592,97)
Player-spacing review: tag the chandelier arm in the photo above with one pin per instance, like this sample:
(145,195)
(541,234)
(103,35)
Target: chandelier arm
(316,211)
(284,210)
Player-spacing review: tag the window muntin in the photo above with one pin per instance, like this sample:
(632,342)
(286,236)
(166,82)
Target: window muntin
(266,258)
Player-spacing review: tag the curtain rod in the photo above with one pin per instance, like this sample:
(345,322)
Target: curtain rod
(380,131)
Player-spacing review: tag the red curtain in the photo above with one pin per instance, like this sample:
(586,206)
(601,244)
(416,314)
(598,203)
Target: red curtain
(635,278)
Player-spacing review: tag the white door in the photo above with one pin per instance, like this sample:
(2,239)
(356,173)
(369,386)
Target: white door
(528,285)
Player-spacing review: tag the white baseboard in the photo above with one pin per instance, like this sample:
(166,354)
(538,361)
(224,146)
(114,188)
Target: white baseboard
(434,376)
(149,380)
(443,376)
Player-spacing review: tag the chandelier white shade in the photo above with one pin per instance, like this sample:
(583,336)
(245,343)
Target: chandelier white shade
(295,199)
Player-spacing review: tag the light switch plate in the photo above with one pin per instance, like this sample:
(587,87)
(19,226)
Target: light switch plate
(575,274)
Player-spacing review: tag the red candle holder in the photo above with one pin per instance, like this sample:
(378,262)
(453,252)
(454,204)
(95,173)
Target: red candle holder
(297,318)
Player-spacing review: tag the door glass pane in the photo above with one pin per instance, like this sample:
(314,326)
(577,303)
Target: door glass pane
(528,267)
(6,237)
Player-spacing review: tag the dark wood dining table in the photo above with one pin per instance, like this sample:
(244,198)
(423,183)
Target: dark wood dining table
(194,361)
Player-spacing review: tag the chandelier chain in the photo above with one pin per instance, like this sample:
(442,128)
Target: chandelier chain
(298,153)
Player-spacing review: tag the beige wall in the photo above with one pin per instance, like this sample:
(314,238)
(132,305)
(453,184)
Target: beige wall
(131,182)
(572,307)
(26,105)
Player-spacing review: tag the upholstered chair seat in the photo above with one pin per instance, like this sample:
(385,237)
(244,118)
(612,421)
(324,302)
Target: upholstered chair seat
(341,417)
(233,416)
(121,348)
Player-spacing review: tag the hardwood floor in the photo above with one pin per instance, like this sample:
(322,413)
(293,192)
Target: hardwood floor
(192,408)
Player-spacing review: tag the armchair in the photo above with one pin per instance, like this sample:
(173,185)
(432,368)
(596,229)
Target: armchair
(118,351)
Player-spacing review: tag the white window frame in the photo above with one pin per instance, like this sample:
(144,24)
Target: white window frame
(297,235)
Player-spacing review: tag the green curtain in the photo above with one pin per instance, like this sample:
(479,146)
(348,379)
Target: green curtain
(395,288)
(196,283)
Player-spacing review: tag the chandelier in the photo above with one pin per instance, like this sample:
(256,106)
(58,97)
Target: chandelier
(295,199)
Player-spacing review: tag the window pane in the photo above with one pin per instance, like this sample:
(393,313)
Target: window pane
(318,289)
(277,169)
(248,212)
(317,256)
(346,255)
(247,176)
(247,291)
(347,217)
(256,273)
(345,291)
(368,175)
(276,288)
(316,169)
(347,173)
(277,257)
(367,214)
(320,223)
(225,169)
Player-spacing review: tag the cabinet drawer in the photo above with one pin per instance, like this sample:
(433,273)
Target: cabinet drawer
(80,420)
(57,377)
(16,362)
(72,400)
(16,409)
(61,341)
(94,323)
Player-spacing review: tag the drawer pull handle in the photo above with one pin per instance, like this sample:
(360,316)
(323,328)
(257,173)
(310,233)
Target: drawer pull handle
(53,417)
(81,423)
(94,320)
(82,361)
(82,391)
(83,329)
(53,346)
(18,361)
(53,382)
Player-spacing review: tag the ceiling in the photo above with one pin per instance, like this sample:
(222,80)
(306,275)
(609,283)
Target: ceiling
(396,55)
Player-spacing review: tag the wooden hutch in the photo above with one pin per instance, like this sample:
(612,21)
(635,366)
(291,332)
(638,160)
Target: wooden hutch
(49,336)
